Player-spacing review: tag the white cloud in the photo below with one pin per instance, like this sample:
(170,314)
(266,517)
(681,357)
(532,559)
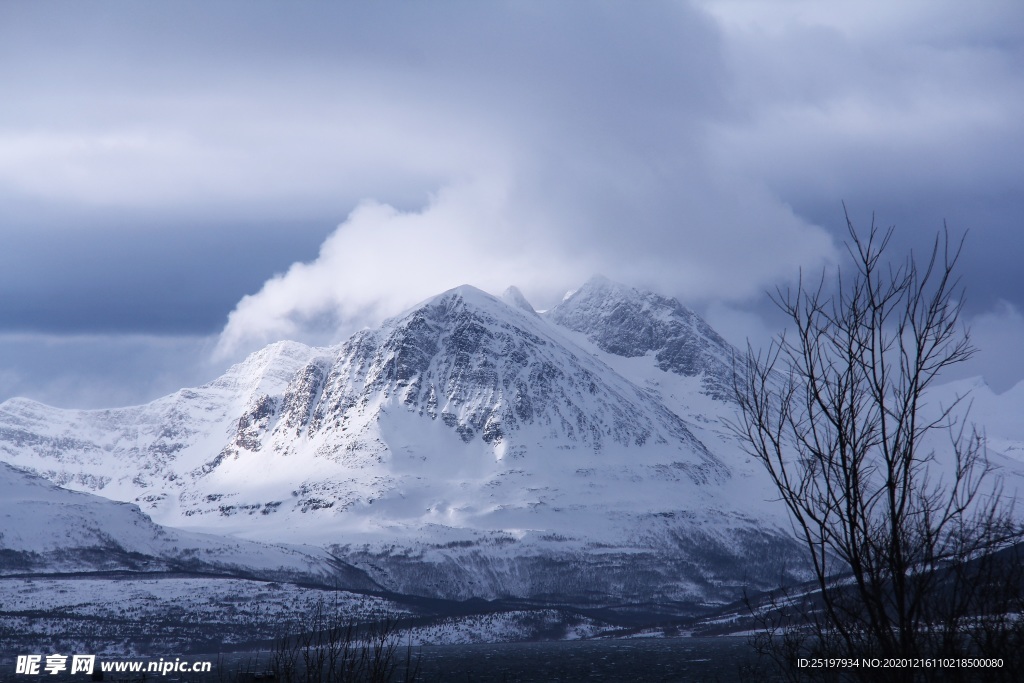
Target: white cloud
(294,145)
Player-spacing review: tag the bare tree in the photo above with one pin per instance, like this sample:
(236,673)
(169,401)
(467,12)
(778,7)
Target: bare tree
(906,533)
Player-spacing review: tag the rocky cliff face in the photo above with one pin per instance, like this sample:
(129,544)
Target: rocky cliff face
(626,322)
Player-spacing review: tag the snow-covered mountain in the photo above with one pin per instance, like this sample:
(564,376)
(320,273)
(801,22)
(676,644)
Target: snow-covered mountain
(468,447)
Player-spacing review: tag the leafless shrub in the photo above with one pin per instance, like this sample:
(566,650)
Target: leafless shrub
(907,562)
(325,647)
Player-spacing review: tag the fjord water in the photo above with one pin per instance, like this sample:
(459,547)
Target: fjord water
(610,661)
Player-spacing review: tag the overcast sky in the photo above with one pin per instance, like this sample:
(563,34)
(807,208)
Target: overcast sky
(182,182)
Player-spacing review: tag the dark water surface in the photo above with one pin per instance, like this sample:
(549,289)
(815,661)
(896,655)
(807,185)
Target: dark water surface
(635,661)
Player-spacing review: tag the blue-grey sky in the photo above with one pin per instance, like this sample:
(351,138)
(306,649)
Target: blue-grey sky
(183,182)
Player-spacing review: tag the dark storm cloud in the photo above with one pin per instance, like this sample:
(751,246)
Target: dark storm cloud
(912,111)
(585,124)
(59,274)
(162,165)
(101,371)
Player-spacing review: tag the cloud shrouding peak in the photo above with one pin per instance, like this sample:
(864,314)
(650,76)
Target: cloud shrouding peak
(382,260)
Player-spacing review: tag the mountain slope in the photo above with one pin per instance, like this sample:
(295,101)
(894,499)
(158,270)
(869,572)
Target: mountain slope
(47,529)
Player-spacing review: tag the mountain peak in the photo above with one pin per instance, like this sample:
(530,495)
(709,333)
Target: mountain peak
(600,284)
(513,297)
(466,290)
(494,368)
(467,295)
(602,293)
